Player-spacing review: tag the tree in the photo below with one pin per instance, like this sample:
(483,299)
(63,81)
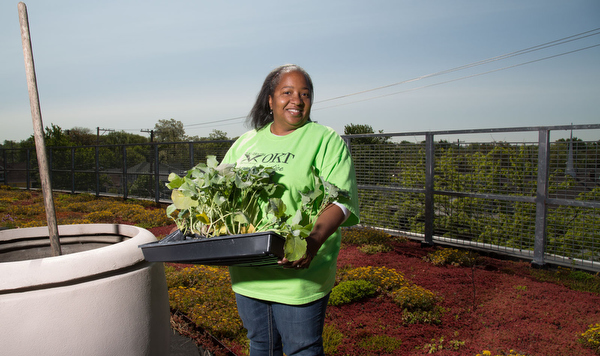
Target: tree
(123,138)
(55,136)
(10,144)
(357,129)
(169,131)
(82,136)
(217,135)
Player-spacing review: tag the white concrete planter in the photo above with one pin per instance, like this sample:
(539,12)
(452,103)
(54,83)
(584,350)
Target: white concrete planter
(99,298)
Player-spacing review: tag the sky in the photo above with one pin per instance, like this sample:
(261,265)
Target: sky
(396,65)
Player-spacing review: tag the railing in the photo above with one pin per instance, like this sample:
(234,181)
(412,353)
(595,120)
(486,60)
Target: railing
(531,198)
(534,200)
(130,170)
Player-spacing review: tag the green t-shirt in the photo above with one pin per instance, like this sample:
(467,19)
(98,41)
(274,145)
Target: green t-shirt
(292,156)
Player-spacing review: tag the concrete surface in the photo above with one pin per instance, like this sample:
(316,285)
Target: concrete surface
(183,346)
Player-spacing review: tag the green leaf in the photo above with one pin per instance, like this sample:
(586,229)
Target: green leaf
(315,194)
(294,248)
(277,206)
(270,189)
(241,184)
(181,201)
(171,209)
(303,231)
(175,181)
(306,199)
(298,217)
(219,199)
(241,218)
(211,161)
(226,171)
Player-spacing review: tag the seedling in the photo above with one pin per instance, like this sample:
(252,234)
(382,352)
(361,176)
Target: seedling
(215,199)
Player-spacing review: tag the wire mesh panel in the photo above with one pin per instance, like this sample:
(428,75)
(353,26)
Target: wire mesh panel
(13,167)
(573,235)
(493,168)
(393,210)
(84,169)
(149,165)
(390,164)
(391,180)
(495,223)
(172,158)
(60,159)
(140,171)
(202,150)
(574,169)
(110,176)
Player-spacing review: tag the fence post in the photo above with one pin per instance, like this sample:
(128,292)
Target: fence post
(50,164)
(429,201)
(72,170)
(541,195)
(156,176)
(347,141)
(191,144)
(125,189)
(28,168)
(97,171)
(4,164)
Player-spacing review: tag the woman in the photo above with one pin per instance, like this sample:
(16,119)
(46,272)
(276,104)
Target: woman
(283,309)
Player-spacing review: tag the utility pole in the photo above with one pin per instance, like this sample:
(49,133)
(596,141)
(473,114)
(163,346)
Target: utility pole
(151,134)
(98,129)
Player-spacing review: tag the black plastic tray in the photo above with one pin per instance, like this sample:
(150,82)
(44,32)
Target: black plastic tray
(256,249)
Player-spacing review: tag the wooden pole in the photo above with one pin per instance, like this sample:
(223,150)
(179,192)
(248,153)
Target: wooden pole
(38,131)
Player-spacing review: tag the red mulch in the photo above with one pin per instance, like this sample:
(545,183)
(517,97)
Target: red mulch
(510,310)
(504,308)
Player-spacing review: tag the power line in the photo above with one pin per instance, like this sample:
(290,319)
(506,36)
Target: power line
(216,121)
(461,78)
(474,64)
(436,74)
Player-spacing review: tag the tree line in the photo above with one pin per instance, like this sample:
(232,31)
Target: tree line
(168,130)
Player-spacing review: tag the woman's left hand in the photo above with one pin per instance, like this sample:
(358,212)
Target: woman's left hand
(312,247)
(328,221)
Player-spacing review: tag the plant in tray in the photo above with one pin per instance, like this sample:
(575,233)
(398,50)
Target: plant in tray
(215,199)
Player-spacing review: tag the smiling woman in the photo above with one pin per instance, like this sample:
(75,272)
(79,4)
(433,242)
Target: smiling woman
(290,103)
(277,95)
(289,303)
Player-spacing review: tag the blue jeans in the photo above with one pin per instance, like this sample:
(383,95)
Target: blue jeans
(275,328)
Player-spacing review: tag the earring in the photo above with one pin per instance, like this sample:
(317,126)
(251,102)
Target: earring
(271,112)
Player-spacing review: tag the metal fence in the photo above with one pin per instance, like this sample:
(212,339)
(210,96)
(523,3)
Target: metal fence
(529,198)
(535,199)
(132,170)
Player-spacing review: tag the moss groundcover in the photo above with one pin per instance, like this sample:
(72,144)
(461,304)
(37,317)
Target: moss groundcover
(393,296)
